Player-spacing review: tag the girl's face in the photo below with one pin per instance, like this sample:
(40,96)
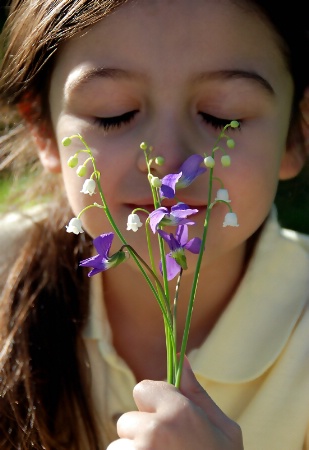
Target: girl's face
(171,74)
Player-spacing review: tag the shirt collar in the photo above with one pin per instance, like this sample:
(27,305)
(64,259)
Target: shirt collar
(257,323)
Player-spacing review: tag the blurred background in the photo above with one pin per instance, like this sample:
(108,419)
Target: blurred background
(292,198)
(3,12)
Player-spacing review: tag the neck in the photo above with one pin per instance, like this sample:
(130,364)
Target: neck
(128,296)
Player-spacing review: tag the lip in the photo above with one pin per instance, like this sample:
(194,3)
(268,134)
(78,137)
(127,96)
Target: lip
(191,202)
(149,206)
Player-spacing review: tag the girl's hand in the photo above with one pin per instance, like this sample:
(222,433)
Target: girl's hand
(171,419)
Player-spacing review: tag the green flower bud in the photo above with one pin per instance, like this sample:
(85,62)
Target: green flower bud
(209,162)
(72,161)
(66,141)
(230,143)
(160,160)
(143,146)
(225,160)
(234,124)
(156,182)
(81,171)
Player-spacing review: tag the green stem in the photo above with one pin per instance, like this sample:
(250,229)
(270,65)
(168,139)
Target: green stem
(170,343)
(158,284)
(96,205)
(175,359)
(197,270)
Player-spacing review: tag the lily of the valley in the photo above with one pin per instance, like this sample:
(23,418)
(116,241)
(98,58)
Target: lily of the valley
(223,195)
(134,222)
(177,216)
(188,172)
(75,226)
(176,258)
(230,220)
(103,261)
(89,186)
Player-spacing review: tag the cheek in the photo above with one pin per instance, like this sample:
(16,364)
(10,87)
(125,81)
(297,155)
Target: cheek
(252,181)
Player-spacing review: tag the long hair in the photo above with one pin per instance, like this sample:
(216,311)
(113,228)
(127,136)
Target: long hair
(44,372)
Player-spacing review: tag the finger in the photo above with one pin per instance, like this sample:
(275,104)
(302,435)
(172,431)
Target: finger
(121,444)
(150,396)
(131,423)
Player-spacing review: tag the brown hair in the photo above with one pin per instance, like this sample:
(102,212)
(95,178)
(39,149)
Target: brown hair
(44,375)
(44,372)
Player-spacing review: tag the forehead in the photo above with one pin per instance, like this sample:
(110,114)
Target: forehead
(174,39)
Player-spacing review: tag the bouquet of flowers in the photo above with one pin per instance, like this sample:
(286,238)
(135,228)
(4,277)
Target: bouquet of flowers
(172,246)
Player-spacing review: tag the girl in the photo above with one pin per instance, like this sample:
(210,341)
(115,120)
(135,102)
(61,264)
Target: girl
(73,350)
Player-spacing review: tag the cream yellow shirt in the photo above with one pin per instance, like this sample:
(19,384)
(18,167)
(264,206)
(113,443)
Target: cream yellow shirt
(255,362)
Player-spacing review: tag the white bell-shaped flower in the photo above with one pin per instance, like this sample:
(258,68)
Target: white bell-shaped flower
(75,226)
(230,220)
(222,194)
(88,186)
(134,222)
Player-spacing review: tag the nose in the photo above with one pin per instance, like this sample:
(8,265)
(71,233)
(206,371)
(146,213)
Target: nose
(169,139)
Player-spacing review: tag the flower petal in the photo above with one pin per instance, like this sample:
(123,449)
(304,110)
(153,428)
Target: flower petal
(190,170)
(165,236)
(230,220)
(172,267)
(193,245)
(75,226)
(103,243)
(167,189)
(179,206)
(98,263)
(222,194)
(134,222)
(183,213)
(182,234)
(88,186)
(156,216)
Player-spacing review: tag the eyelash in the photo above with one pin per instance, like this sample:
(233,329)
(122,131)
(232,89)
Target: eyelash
(116,121)
(124,119)
(216,122)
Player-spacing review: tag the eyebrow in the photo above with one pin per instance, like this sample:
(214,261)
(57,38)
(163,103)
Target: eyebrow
(238,74)
(99,72)
(112,73)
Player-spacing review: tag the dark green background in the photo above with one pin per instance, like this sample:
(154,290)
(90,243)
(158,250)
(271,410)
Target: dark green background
(3,9)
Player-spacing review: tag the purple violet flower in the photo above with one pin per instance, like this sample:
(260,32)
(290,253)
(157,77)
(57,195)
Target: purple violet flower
(176,259)
(177,216)
(103,261)
(188,171)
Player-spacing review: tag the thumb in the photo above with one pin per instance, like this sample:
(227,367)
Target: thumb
(192,389)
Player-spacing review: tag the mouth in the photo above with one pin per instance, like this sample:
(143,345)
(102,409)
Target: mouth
(167,204)
(142,206)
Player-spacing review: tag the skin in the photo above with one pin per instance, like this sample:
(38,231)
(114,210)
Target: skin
(172,63)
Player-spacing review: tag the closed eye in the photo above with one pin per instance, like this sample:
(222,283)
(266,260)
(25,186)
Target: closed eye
(216,122)
(116,121)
